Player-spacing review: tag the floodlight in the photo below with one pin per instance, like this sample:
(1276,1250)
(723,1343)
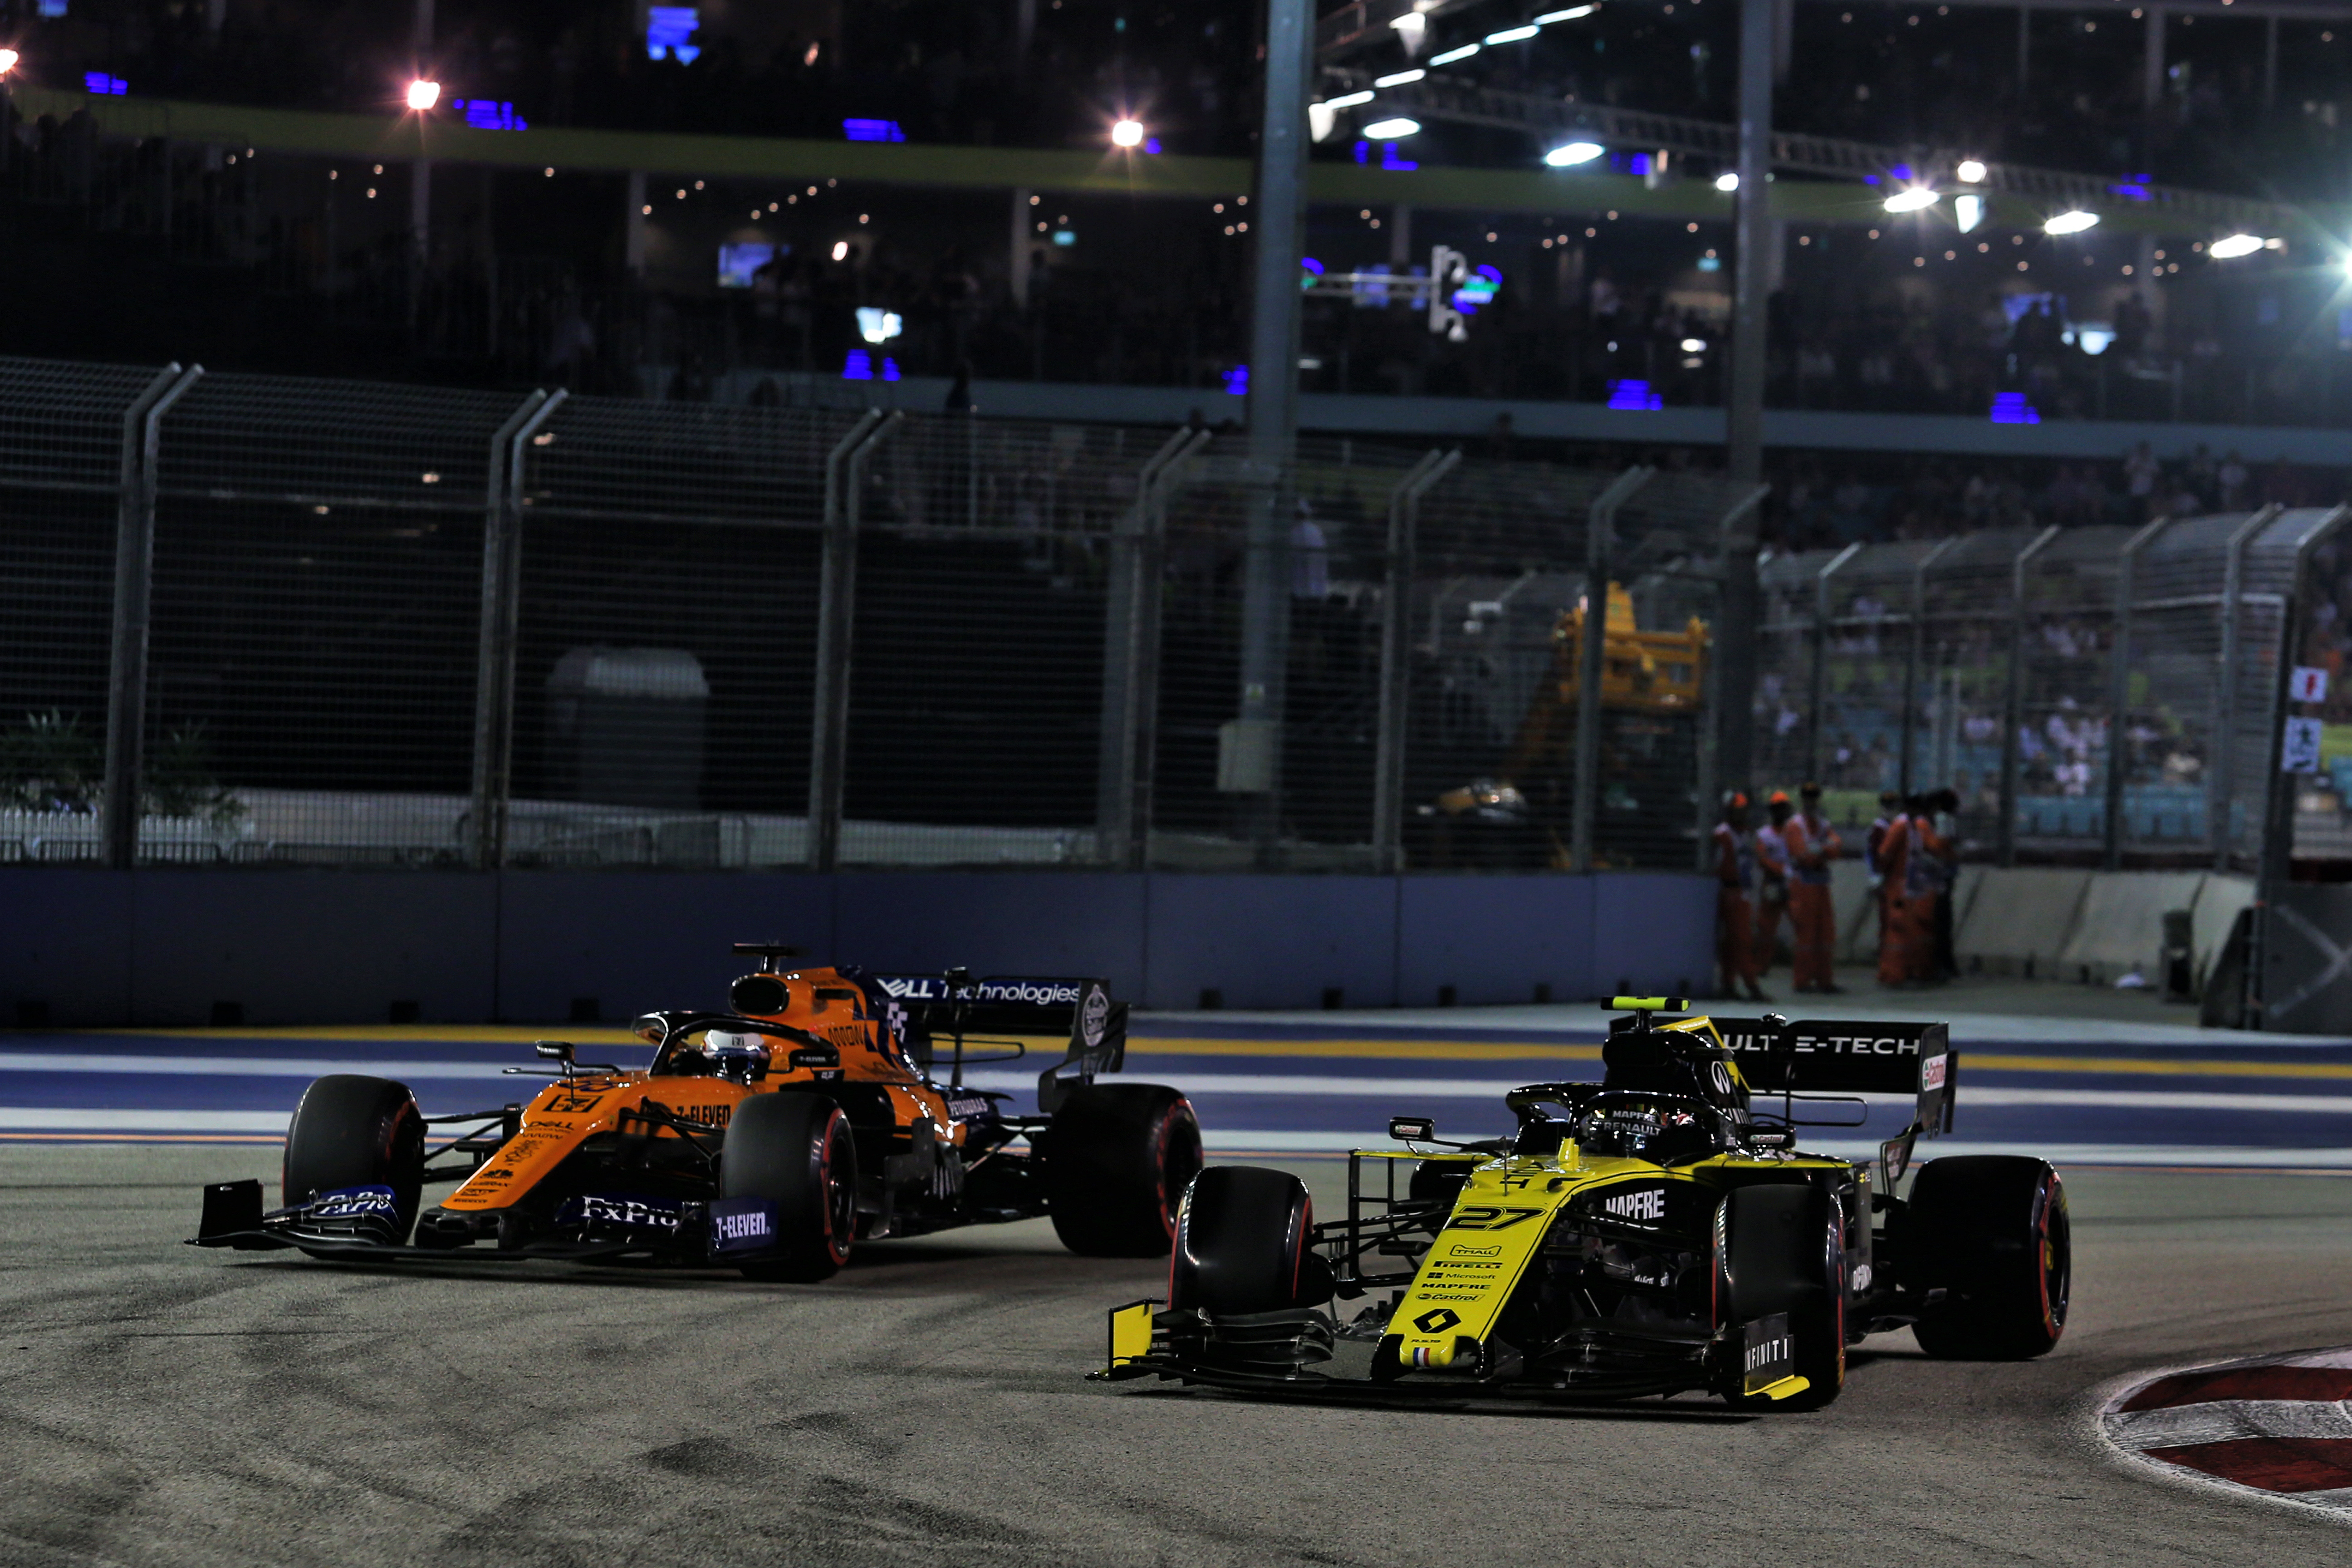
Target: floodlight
(1912,199)
(1512,35)
(1971,171)
(1450,56)
(1400,80)
(1571,14)
(8,59)
(1727,182)
(1390,130)
(2237,244)
(2074,222)
(1126,133)
(424,95)
(1573,154)
(1968,211)
(1694,346)
(1348,100)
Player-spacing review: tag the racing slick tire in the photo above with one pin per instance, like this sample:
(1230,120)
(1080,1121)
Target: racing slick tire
(1990,1231)
(794,1151)
(352,1130)
(1244,1243)
(1117,1159)
(1783,1250)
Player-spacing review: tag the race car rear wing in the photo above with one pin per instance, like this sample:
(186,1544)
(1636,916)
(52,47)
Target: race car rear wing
(958,1004)
(1849,1056)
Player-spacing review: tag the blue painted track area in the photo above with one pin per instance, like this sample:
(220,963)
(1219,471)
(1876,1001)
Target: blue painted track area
(2079,1092)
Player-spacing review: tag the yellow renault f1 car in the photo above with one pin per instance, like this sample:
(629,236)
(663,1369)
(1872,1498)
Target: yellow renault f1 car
(1655,1233)
(826,1108)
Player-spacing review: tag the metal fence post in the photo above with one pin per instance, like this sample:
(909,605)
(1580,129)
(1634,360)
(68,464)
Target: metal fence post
(499,625)
(1396,667)
(1130,661)
(2276,867)
(1711,719)
(1600,540)
(2221,781)
(2119,691)
(135,590)
(1915,655)
(2014,707)
(1818,697)
(844,477)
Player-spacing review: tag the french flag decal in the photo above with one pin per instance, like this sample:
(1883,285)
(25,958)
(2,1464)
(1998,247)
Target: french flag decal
(2278,1427)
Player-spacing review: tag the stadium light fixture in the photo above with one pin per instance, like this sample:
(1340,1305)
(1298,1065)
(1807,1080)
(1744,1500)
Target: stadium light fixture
(1126,133)
(1450,56)
(8,59)
(1971,171)
(1390,130)
(1400,80)
(1915,198)
(1348,100)
(423,95)
(1727,181)
(1694,346)
(2232,247)
(1511,36)
(2074,222)
(1412,27)
(1968,211)
(1571,14)
(1574,153)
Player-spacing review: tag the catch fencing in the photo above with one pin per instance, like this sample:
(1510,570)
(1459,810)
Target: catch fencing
(2169,695)
(257,620)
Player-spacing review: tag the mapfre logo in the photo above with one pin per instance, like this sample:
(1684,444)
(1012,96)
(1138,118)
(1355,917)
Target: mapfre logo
(1646,1204)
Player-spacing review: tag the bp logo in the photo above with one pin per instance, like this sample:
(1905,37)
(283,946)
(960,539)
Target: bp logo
(1437,1319)
(1093,1014)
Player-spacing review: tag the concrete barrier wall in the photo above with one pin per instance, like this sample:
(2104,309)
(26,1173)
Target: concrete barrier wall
(2020,919)
(94,948)
(2121,927)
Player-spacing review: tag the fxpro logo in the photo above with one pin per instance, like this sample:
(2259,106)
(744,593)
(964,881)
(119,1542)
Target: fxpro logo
(350,1203)
(635,1213)
(1647,1205)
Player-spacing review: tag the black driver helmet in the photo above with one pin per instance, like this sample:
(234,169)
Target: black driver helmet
(1641,1124)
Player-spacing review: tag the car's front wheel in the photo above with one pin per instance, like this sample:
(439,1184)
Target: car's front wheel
(1783,1251)
(350,1133)
(795,1152)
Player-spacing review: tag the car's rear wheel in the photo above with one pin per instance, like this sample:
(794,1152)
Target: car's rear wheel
(351,1130)
(795,1152)
(1244,1238)
(1991,1233)
(1781,1249)
(1117,1159)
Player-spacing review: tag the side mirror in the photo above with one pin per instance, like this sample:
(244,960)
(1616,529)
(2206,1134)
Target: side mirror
(554,1050)
(1412,1129)
(648,1028)
(816,1056)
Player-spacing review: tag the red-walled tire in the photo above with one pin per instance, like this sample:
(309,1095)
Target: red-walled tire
(352,1130)
(1117,1159)
(795,1151)
(1991,1232)
(1245,1240)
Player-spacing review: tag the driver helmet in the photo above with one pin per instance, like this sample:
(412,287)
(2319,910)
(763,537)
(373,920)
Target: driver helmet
(1654,1127)
(741,1057)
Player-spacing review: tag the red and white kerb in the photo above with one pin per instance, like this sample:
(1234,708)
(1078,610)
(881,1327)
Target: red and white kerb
(2278,1427)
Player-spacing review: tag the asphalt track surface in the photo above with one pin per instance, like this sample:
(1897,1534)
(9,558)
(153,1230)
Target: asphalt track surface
(166,1405)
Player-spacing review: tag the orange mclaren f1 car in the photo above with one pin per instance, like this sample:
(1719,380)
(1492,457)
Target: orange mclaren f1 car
(827,1107)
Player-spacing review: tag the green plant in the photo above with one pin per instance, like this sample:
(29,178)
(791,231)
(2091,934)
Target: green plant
(48,763)
(180,781)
